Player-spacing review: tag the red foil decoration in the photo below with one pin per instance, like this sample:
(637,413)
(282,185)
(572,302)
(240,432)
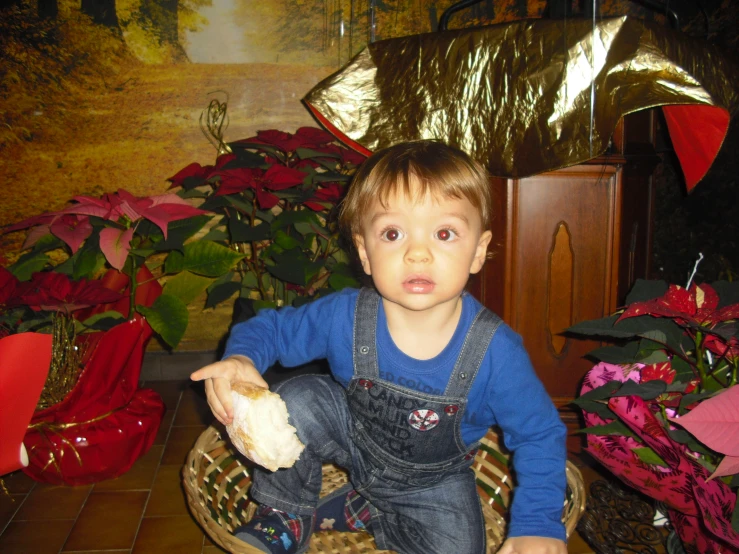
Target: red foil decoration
(106,423)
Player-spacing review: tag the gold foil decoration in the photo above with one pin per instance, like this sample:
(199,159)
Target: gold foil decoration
(65,366)
(42,427)
(214,122)
(517,96)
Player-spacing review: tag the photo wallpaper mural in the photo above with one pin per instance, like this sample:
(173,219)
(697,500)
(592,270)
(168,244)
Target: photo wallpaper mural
(97,95)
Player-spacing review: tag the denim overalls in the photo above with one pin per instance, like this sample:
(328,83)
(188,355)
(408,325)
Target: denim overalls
(403,448)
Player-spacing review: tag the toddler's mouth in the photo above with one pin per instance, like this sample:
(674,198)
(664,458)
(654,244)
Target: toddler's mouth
(418,284)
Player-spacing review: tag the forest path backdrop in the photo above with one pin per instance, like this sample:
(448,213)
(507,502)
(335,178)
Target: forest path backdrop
(140,130)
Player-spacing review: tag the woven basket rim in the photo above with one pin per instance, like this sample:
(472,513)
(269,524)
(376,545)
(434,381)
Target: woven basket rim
(212,440)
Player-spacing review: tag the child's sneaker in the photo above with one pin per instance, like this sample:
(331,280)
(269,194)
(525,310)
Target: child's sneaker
(277,532)
(343,510)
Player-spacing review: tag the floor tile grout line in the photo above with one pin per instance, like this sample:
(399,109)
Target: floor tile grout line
(61,548)
(159,465)
(15,512)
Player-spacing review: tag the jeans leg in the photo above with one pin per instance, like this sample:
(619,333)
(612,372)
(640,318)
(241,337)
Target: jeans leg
(318,410)
(439,519)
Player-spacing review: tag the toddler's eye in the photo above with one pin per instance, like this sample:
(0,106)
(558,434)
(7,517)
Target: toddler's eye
(391,235)
(445,235)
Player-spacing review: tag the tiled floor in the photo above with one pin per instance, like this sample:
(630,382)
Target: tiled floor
(142,512)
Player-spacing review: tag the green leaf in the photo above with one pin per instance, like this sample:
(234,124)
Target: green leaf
(88,262)
(689,399)
(598,407)
(600,393)
(647,391)
(48,242)
(221,293)
(235,201)
(292,217)
(203,258)
(104,321)
(293,266)
(28,264)
(613,428)
(241,231)
(285,241)
(644,290)
(617,354)
(246,158)
(263,305)
(187,286)
(168,317)
(342,277)
(180,230)
(308,153)
(649,456)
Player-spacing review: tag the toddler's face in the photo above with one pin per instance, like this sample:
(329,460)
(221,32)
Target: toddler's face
(420,251)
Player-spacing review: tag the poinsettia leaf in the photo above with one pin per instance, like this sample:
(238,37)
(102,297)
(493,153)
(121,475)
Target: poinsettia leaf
(241,231)
(644,290)
(616,354)
(595,407)
(342,277)
(653,357)
(600,393)
(238,203)
(244,157)
(616,427)
(285,241)
(116,244)
(728,292)
(88,262)
(203,258)
(308,153)
(735,518)
(647,391)
(187,286)
(683,437)
(715,422)
(47,242)
(289,218)
(181,230)
(168,317)
(692,398)
(649,456)
(216,235)
(293,266)
(729,466)
(28,264)
(221,293)
(104,320)
(600,327)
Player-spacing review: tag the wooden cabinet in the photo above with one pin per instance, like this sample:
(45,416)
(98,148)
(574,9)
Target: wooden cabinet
(567,246)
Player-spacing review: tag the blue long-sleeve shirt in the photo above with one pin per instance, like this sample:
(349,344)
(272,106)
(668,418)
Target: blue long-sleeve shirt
(506,391)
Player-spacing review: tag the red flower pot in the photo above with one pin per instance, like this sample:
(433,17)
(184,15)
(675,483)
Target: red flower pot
(106,422)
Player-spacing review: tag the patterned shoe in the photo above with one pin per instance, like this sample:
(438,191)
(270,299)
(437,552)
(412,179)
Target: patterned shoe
(277,532)
(343,510)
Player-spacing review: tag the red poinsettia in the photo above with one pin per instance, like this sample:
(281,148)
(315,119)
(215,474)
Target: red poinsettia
(305,137)
(8,285)
(696,306)
(325,197)
(57,292)
(277,177)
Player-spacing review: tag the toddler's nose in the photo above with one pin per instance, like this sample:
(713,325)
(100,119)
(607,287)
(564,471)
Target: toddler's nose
(418,252)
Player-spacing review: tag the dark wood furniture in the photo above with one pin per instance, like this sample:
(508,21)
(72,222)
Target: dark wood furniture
(567,246)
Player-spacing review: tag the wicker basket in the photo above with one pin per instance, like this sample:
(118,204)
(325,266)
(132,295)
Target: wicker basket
(217,483)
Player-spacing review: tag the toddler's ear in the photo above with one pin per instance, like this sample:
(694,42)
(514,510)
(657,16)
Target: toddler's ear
(362,251)
(481,252)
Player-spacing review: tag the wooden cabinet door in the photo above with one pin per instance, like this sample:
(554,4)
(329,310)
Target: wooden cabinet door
(554,262)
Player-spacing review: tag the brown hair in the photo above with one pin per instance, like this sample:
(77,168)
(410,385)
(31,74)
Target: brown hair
(438,169)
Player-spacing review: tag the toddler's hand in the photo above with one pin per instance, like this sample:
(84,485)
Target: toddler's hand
(218,378)
(533,545)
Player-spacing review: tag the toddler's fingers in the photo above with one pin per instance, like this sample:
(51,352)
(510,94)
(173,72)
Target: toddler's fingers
(215,403)
(208,372)
(222,392)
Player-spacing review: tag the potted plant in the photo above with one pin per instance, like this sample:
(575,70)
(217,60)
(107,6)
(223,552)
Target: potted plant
(660,406)
(103,275)
(276,194)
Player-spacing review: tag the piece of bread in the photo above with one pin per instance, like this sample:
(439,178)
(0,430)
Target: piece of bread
(260,428)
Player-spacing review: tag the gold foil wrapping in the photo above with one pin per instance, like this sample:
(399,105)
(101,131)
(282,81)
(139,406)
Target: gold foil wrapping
(523,97)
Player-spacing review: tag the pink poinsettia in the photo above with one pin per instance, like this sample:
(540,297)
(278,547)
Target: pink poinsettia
(72,224)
